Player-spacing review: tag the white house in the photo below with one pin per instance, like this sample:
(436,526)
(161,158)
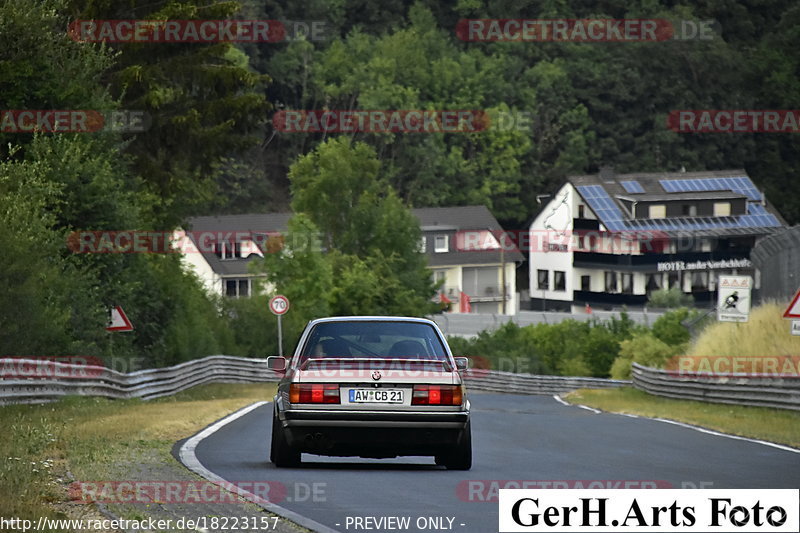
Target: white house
(609,240)
(460,242)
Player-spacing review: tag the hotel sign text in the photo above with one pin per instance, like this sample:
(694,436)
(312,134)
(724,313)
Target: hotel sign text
(670,266)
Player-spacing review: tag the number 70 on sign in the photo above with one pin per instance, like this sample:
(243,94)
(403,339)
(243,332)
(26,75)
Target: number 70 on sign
(279,304)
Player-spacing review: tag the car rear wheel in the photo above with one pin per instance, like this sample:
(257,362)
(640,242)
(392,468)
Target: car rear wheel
(280,453)
(461,457)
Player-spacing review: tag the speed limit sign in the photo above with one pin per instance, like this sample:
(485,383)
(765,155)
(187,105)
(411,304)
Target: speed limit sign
(279,304)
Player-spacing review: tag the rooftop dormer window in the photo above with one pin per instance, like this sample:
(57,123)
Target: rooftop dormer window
(657,211)
(228,250)
(440,244)
(722,209)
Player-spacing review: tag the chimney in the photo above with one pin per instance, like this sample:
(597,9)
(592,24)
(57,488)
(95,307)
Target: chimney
(606,172)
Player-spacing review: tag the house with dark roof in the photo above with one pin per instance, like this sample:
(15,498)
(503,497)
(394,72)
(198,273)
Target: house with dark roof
(463,245)
(610,240)
(477,275)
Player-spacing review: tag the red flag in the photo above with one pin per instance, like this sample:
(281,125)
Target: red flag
(465,305)
(444,299)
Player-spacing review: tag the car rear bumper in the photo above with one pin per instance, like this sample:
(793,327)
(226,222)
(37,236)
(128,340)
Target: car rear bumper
(373,434)
(376,419)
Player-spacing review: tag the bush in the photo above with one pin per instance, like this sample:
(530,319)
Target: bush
(669,299)
(569,348)
(669,328)
(645,349)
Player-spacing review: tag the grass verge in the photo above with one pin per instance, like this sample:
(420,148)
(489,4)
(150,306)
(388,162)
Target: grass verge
(773,425)
(91,437)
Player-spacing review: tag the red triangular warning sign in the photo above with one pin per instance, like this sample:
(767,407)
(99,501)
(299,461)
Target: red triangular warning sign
(793,311)
(119,320)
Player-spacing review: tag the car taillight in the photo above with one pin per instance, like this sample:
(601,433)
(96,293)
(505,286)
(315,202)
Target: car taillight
(437,395)
(313,393)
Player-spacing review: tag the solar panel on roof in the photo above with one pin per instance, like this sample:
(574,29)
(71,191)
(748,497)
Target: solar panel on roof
(603,206)
(632,186)
(611,216)
(740,185)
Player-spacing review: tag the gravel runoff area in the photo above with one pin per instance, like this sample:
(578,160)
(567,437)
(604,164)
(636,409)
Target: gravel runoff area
(157,465)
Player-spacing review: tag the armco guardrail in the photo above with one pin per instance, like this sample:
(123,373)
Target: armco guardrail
(496,381)
(54,380)
(783,393)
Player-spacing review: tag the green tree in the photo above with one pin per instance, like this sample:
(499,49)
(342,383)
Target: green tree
(204,101)
(52,185)
(370,236)
(352,246)
(302,273)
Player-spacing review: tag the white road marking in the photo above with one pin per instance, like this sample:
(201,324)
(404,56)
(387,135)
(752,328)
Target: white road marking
(560,400)
(689,426)
(190,460)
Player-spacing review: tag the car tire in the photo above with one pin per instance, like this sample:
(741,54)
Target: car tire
(280,453)
(461,457)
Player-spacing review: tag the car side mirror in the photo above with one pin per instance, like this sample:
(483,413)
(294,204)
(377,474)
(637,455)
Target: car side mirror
(278,364)
(462,363)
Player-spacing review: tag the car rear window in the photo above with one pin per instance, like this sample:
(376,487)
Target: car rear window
(376,339)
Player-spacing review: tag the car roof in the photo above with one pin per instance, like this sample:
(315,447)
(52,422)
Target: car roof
(367,318)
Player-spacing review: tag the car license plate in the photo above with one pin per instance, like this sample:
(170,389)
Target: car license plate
(376,396)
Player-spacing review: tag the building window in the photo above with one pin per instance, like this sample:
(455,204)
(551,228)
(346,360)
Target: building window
(675,280)
(653,282)
(543,278)
(689,210)
(559,280)
(237,288)
(581,244)
(627,283)
(699,281)
(581,211)
(423,244)
(440,244)
(228,250)
(586,283)
(657,211)
(611,281)
(722,209)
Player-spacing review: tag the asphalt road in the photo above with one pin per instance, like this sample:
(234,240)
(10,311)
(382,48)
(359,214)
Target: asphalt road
(515,438)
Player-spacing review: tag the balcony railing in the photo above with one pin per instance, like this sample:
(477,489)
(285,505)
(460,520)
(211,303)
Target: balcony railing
(650,261)
(486,293)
